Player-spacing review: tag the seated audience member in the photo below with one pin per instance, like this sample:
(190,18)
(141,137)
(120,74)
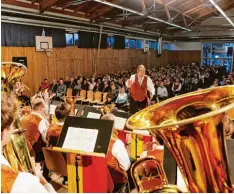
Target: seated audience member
(85,85)
(122,98)
(11,181)
(117,158)
(176,87)
(77,88)
(162,92)
(54,86)
(106,87)
(112,94)
(61,112)
(45,85)
(71,85)
(61,90)
(36,126)
(67,82)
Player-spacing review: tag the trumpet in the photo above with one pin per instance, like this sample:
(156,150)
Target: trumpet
(192,128)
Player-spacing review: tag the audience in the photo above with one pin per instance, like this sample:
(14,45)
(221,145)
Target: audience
(169,80)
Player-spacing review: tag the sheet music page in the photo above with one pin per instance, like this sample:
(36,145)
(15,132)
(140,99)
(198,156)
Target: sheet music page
(93,115)
(76,111)
(52,109)
(120,123)
(80,139)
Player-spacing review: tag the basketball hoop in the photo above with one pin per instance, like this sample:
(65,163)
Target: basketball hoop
(48,52)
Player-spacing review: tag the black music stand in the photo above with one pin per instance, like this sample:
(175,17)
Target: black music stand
(104,128)
(90,109)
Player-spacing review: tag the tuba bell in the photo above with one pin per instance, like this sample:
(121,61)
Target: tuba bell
(17,151)
(192,128)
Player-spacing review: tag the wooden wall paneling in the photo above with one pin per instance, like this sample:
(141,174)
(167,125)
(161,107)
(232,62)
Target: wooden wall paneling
(71,61)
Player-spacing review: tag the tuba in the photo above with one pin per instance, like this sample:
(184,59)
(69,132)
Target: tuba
(192,128)
(16,152)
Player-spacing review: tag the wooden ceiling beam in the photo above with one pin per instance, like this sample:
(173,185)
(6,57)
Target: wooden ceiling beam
(96,7)
(171,2)
(174,9)
(46,4)
(33,6)
(103,11)
(34,1)
(80,6)
(167,11)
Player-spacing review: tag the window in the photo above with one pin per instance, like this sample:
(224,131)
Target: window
(76,39)
(139,44)
(153,45)
(69,39)
(72,39)
(110,41)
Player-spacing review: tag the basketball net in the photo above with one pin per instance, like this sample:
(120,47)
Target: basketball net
(48,52)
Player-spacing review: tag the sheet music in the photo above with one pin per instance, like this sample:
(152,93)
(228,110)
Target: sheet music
(120,123)
(93,115)
(76,111)
(52,109)
(80,139)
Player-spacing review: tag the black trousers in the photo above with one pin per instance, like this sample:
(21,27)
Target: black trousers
(135,106)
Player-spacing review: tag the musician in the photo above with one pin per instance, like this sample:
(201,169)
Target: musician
(139,84)
(36,126)
(61,112)
(11,181)
(117,158)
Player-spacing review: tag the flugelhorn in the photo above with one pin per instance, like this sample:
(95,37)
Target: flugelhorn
(16,152)
(191,126)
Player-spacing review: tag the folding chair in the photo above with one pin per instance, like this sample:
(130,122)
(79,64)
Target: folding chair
(89,97)
(82,96)
(104,99)
(97,98)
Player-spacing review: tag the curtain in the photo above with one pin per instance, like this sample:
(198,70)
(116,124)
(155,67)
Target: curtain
(23,35)
(85,39)
(119,42)
(19,35)
(58,36)
(103,44)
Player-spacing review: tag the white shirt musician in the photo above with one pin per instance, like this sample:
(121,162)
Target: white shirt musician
(12,181)
(139,84)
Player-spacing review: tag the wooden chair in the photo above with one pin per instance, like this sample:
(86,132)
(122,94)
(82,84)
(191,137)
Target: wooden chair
(89,97)
(69,92)
(97,98)
(82,96)
(104,99)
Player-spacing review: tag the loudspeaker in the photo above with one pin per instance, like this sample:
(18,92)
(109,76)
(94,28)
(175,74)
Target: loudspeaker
(22,60)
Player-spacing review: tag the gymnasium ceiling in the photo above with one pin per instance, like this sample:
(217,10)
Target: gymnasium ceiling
(173,19)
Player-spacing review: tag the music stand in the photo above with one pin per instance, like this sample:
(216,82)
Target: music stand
(80,108)
(90,109)
(83,126)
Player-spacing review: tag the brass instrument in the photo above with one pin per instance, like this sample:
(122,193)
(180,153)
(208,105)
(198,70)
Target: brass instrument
(191,126)
(16,152)
(106,109)
(148,176)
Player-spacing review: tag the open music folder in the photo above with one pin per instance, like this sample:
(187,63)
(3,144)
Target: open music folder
(85,136)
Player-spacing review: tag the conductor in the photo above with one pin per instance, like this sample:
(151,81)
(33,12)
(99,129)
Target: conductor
(139,84)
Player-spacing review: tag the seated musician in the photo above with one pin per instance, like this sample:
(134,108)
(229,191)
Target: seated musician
(11,181)
(117,158)
(61,112)
(36,126)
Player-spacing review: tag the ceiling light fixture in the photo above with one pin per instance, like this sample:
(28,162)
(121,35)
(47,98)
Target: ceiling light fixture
(222,12)
(140,13)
